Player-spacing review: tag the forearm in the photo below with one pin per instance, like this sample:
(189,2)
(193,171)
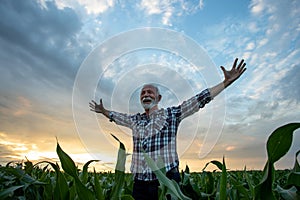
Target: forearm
(217,89)
(119,118)
(106,113)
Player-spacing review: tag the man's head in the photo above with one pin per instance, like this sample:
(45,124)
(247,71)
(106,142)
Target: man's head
(149,96)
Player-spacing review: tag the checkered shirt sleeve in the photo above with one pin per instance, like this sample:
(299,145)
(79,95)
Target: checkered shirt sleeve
(193,104)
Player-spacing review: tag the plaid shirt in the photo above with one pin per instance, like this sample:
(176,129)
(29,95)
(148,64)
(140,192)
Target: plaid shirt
(156,133)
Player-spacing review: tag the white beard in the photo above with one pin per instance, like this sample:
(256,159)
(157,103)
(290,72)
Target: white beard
(148,106)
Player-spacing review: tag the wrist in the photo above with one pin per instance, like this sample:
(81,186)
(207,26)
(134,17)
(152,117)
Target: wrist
(226,83)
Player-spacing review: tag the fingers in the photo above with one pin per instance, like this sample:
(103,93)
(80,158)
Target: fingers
(223,68)
(95,107)
(234,63)
(94,102)
(241,65)
(243,69)
(92,107)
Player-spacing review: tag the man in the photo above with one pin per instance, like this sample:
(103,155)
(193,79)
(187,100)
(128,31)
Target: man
(154,131)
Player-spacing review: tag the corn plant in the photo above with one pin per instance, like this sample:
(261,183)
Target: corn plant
(64,181)
(278,145)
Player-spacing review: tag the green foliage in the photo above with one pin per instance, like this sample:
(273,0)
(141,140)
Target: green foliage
(223,182)
(31,181)
(168,186)
(119,172)
(280,141)
(278,145)
(69,167)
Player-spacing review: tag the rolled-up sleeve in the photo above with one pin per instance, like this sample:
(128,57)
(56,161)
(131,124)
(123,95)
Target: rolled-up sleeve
(193,104)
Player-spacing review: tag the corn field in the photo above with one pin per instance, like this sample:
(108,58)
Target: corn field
(65,181)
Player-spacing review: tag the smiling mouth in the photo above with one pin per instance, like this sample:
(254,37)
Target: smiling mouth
(147,100)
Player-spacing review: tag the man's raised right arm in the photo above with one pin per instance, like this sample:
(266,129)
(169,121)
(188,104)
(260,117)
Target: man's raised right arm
(99,108)
(119,118)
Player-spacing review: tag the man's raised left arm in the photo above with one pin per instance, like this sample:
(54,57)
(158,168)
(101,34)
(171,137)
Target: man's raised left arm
(229,77)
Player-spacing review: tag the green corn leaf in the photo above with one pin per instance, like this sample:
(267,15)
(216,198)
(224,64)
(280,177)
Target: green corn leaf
(241,189)
(119,171)
(61,189)
(72,190)
(69,167)
(67,163)
(278,144)
(173,187)
(187,169)
(280,141)
(83,192)
(21,175)
(6,193)
(289,194)
(216,163)
(211,179)
(122,146)
(189,189)
(127,197)
(84,174)
(250,183)
(264,189)
(8,164)
(293,179)
(98,189)
(223,182)
(28,166)
(296,165)
(294,176)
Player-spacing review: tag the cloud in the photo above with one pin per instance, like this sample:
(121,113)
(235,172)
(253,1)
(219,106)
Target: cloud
(39,57)
(168,9)
(12,148)
(156,7)
(289,85)
(230,148)
(37,39)
(250,46)
(89,7)
(95,6)
(23,106)
(257,6)
(282,20)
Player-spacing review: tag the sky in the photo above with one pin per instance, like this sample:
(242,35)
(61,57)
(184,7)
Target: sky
(56,56)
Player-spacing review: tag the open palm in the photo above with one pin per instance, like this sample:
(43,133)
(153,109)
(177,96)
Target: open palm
(98,108)
(236,71)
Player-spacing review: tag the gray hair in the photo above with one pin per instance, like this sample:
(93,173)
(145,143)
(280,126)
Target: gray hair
(155,86)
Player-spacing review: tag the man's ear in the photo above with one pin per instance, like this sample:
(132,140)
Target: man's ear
(159,98)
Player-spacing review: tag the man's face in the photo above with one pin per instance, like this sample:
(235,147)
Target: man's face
(149,97)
